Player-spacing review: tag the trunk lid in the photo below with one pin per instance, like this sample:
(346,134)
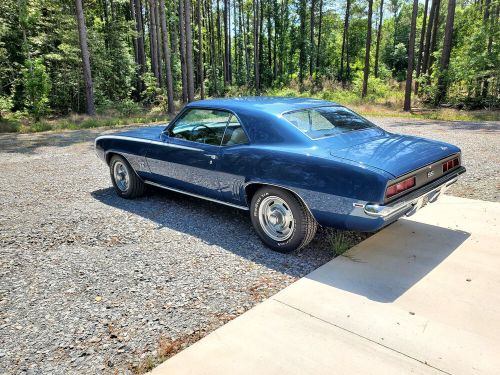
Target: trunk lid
(394,153)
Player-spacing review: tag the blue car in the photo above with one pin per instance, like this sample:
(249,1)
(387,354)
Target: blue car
(294,163)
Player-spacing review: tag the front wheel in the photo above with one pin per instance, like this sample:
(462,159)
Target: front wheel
(281,220)
(126,182)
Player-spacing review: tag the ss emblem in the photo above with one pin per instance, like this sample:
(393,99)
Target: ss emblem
(430,174)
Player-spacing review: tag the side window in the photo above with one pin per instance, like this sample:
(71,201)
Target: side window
(201,125)
(234,135)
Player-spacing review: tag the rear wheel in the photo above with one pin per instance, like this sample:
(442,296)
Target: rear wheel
(282,221)
(126,182)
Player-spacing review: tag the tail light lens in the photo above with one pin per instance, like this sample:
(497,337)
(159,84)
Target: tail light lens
(400,187)
(450,164)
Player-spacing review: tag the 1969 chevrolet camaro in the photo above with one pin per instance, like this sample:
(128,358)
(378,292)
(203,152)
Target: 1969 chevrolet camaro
(293,162)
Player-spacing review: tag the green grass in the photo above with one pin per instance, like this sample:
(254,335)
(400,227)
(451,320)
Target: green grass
(341,240)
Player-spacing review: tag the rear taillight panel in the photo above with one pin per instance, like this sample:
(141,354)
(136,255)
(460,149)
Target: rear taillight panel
(450,164)
(399,187)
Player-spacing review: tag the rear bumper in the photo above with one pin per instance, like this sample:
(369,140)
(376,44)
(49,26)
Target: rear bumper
(409,204)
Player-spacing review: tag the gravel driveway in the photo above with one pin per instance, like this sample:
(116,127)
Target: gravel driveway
(91,283)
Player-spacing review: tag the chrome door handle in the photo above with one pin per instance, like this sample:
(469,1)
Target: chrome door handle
(213,157)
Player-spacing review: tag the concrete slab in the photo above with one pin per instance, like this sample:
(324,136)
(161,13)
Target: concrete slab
(421,296)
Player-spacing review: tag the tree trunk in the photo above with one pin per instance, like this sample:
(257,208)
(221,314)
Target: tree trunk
(411,55)
(136,47)
(269,38)
(153,40)
(445,57)
(302,42)
(189,51)
(213,54)
(261,39)
(379,35)
(421,46)
(230,59)
(182,51)
(141,54)
(275,40)
(219,41)
(435,30)
(245,42)
(237,46)
(486,19)
(367,52)
(311,39)
(345,42)
(200,52)
(427,46)
(87,74)
(320,26)
(166,56)
(226,43)
(158,42)
(256,44)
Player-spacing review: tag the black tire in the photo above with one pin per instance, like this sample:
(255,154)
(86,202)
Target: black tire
(302,231)
(135,186)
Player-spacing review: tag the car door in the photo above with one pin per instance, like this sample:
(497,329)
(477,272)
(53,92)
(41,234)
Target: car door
(186,157)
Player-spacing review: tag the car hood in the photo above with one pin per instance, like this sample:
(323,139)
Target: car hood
(147,132)
(394,153)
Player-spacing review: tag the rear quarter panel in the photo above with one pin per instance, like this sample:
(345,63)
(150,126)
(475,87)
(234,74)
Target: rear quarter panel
(328,187)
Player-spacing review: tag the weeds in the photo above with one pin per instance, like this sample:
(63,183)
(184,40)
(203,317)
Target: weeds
(340,241)
(167,348)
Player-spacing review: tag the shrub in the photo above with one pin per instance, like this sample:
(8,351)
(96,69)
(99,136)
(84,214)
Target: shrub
(128,107)
(5,105)
(37,88)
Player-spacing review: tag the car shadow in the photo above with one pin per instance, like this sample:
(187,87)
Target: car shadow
(216,224)
(381,268)
(391,262)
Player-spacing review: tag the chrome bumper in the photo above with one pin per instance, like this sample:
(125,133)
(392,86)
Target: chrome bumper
(415,200)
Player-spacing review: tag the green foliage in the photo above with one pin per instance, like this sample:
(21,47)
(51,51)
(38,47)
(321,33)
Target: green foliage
(151,90)
(5,105)
(37,88)
(128,107)
(41,68)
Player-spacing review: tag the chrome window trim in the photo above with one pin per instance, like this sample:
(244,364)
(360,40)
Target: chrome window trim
(196,195)
(187,108)
(325,106)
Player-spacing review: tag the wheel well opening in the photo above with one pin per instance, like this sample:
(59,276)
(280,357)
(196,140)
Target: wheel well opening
(109,155)
(250,190)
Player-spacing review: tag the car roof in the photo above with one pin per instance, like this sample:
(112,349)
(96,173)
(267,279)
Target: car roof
(269,104)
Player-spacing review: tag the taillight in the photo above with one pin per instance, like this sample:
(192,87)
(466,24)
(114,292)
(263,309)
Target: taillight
(400,187)
(450,164)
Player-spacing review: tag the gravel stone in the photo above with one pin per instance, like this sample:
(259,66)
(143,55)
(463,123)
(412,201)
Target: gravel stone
(91,283)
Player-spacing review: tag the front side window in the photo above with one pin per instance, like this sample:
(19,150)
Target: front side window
(326,121)
(201,125)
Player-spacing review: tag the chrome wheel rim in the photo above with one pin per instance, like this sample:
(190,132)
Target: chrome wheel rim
(276,218)
(120,173)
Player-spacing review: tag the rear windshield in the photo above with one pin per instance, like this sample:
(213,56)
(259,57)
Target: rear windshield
(326,121)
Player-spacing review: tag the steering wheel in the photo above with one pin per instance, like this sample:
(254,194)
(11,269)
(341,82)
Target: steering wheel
(204,126)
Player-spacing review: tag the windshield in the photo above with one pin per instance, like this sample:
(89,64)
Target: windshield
(326,121)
